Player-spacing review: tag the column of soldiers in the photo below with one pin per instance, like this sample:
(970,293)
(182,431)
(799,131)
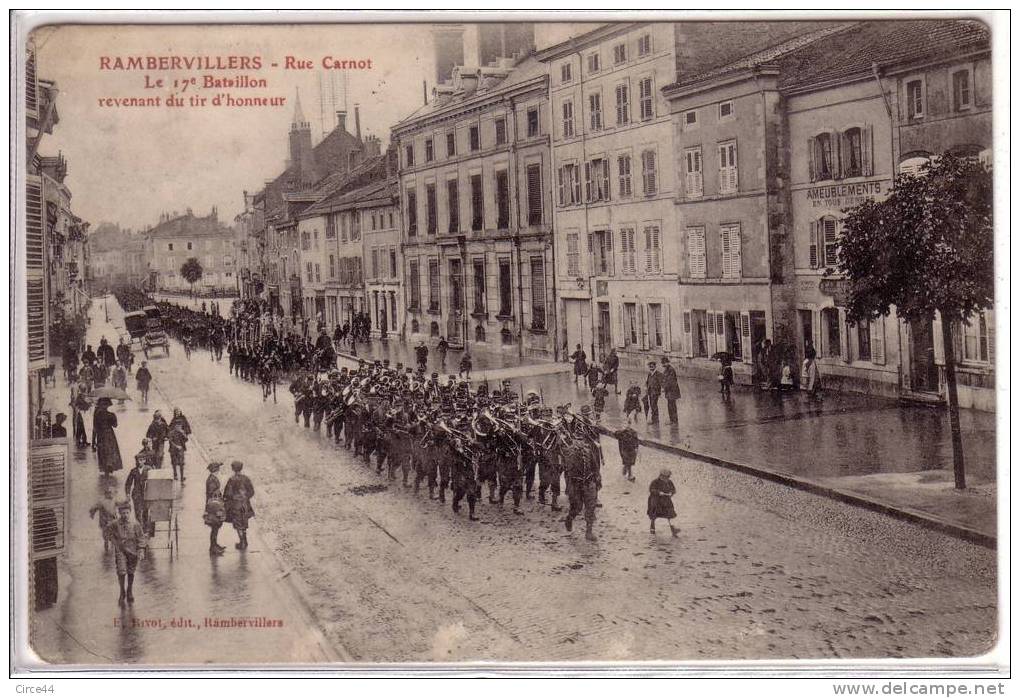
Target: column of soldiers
(408,425)
(415,427)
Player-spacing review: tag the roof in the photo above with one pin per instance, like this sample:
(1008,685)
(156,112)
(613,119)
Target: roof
(362,187)
(190,225)
(885,43)
(527,69)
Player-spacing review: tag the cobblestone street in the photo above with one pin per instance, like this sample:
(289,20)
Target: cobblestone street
(759,570)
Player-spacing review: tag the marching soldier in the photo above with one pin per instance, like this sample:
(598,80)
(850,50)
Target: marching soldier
(584,480)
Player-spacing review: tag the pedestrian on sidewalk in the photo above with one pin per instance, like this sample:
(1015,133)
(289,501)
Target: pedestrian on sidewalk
(441,350)
(120,380)
(421,353)
(632,402)
(107,510)
(157,432)
(593,376)
(129,542)
(79,406)
(580,360)
(660,502)
(670,389)
(627,439)
(104,440)
(812,376)
(725,377)
(215,512)
(178,445)
(134,485)
(465,365)
(611,370)
(144,378)
(237,501)
(599,394)
(653,389)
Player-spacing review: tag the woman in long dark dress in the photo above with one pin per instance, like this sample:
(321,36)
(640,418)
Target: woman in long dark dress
(660,502)
(104,439)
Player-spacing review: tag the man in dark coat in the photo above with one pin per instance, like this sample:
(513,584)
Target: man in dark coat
(580,360)
(421,353)
(611,369)
(144,377)
(581,468)
(670,388)
(653,388)
(237,499)
(105,353)
(627,439)
(157,432)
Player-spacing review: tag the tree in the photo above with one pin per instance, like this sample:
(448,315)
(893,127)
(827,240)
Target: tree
(191,270)
(927,247)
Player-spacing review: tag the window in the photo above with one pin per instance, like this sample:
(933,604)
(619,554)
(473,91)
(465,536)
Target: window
(620,54)
(569,185)
(534,173)
(623,171)
(728,168)
(537,293)
(393,262)
(434,285)
(653,250)
(391,219)
(622,105)
(414,284)
(656,336)
(330,226)
(189,245)
(596,180)
(170,246)
(410,208)
(628,255)
(430,154)
(477,211)
(306,240)
(375,264)
(630,328)
(644,45)
(500,132)
(355,226)
(696,258)
(694,183)
(479,270)
(602,247)
(318,272)
(978,338)
(731,333)
(565,72)
(824,246)
(473,138)
(453,205)
(573,255)
(915,99)
(430,208)
(332,267)
(822,162)
(595,111)
(532,123)
(961,90)
(505,289)
(851,152)
(690,120)
(373,222)
(568,119)
(308,271)
(831,337)
(409,155)
(502,200)
(649,175)
(646,99)
(451,144)
(864,340)
(729,237)
(593,63)
(412,214)
(725,111)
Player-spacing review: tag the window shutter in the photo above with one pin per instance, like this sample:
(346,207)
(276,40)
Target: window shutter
(867,151)
(621,336)
(844,337)
(812,167)
(590,243)
(813,245)
(722,169)
(837,154)
(648,249)
(688,335)
(745,337)
(877,327)
(734,169)
(575,183)
(667,338)
(587,181)
(735,266)
(936,331)
(656,250)
(610,257)
(643,325)
(990,330)
(605,181)
(562,190)
(720,331)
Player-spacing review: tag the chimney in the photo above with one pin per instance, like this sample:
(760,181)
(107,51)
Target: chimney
(357,122)
(341,120)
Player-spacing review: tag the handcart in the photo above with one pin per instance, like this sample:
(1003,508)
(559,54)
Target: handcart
(159,500)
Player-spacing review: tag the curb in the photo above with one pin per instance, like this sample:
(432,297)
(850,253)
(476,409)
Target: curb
(909,515)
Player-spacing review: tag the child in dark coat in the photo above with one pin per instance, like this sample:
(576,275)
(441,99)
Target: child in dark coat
(632,401)
(627,438)
(660,502)
(599,394)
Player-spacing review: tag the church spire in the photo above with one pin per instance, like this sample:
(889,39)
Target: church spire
(298,122)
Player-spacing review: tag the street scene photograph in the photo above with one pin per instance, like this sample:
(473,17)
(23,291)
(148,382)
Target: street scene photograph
(495,343)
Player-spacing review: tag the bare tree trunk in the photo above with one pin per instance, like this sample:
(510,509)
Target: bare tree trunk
(953,402)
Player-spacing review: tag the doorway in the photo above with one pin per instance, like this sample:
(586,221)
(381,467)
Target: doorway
(758,335)
(924,373)
(605,334)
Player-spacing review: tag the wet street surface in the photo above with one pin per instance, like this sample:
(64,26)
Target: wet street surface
(758,571)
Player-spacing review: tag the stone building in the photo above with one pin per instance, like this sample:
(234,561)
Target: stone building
(180,237)
(477,212)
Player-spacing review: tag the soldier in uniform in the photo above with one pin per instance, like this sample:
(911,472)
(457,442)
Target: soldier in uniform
(465,484)
(584,479)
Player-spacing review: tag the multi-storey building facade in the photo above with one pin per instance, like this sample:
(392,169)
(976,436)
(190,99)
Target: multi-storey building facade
(383,260)
(476,210)
(178,238)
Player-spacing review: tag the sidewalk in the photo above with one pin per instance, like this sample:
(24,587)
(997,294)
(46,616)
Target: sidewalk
(868,447)
(86,625)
